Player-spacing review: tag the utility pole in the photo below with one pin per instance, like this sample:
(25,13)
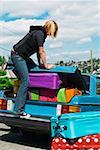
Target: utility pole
(91,58)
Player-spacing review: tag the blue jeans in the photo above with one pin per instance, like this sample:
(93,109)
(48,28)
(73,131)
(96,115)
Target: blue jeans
(22,70)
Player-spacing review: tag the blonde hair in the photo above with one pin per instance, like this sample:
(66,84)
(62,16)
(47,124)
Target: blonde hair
(51,28)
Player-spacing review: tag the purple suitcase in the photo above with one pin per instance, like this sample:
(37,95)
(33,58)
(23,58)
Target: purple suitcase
(45,80)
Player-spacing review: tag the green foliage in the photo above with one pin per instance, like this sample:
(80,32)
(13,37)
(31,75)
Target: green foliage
(2,73)
(2,60)
(5,83)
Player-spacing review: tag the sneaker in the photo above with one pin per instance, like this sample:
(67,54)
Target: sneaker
(25,115)
(22,114)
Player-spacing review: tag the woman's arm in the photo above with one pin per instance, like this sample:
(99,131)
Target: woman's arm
(42,56)
(38,59)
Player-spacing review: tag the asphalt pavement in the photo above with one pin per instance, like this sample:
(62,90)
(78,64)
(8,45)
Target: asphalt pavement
(18,141)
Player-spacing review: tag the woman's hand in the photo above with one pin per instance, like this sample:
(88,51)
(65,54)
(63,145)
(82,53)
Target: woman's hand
(49,66)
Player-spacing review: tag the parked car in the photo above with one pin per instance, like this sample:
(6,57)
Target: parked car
(71,114)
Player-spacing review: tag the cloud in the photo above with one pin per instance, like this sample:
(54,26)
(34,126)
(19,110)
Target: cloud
(27,8)
(12,31)
(78,21)
(71,15)
(56,45)
(67,56)
(84,40)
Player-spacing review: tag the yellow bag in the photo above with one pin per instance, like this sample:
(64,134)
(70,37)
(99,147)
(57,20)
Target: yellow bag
(16,86)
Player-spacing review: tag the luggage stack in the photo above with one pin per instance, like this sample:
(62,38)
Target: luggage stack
(45,86)
(48,87)
(87,142)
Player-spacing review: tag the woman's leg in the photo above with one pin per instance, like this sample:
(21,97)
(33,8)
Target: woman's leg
(21,67)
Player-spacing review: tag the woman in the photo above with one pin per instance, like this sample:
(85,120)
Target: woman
(32,43)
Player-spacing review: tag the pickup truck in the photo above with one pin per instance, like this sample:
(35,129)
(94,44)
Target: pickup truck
(64,121)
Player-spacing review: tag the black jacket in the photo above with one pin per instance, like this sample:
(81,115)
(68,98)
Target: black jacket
(30,44)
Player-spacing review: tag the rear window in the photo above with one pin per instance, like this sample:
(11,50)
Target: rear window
(87,81)
(98,86)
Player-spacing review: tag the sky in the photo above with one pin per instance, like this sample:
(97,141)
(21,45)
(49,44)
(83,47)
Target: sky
(78,21)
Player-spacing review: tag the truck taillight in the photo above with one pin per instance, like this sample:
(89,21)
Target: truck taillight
(74,109)
(3,104)
(63,109)
(69,109)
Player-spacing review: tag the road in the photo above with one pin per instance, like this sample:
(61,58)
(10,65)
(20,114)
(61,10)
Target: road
(17,141)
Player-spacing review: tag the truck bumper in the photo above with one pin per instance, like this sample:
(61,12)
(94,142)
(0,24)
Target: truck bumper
(34,123)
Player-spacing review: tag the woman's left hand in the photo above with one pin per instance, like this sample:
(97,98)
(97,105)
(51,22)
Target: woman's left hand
(49,66)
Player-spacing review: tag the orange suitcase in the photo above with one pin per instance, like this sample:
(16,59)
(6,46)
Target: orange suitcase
(71,92)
